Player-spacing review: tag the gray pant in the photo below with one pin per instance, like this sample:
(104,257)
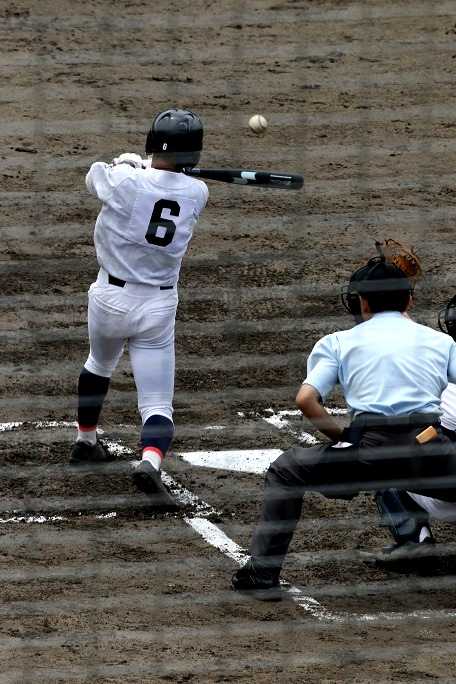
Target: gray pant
(384,457)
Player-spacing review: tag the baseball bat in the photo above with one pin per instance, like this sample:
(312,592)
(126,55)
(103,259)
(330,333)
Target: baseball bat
(267,179)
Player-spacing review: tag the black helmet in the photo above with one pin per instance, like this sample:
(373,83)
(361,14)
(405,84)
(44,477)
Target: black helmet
(177,133)
(447,318)
(376,280)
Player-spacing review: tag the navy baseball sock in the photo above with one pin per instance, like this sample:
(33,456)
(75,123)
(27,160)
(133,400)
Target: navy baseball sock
(156,437)
(92,391)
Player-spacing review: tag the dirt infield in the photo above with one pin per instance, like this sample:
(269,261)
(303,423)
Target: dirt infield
(360,99)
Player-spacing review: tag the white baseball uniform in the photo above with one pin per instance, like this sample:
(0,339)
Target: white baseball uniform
(141,235)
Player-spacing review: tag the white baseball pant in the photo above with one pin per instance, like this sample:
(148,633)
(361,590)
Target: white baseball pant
(144,316)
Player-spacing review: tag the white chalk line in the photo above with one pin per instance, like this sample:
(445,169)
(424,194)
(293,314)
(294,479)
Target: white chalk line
(9,427)
(32,519)
(39,425)
(280,421)
(40,519)
(52,424)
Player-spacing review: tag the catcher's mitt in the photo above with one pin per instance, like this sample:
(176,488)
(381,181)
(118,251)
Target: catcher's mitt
(401,256)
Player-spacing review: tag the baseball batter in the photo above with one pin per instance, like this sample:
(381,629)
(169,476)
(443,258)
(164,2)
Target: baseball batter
(142,232)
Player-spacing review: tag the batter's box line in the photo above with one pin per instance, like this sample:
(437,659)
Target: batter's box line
(51,425)
(14,426)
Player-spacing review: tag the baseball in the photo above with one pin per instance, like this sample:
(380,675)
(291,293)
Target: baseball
(258,124)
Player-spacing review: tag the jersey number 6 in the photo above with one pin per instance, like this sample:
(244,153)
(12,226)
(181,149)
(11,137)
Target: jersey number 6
(156,222)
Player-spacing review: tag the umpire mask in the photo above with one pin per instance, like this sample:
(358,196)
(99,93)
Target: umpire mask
(447,318)
(350,293)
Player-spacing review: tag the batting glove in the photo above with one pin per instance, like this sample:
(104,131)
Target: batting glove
(134,160)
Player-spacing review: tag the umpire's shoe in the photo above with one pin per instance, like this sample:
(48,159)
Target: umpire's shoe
(148,480)
(83,452)
(258,582)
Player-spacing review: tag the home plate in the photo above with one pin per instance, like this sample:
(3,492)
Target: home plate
(247,461)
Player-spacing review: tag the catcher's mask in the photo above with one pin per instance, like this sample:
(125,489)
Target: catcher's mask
(447,318)
(381,283)
(178,135)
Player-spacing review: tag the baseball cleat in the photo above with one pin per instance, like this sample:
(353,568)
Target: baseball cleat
(258,583)
(148,480)
(83,452)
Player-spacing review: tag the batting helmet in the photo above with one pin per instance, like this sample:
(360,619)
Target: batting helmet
(381,283)
(447,318)
(177,134)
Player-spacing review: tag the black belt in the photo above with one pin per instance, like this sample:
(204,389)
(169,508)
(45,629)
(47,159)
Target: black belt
(112,280)
(378,420)
(398,425)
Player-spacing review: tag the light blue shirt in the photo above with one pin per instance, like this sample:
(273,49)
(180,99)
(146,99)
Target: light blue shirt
(388,365)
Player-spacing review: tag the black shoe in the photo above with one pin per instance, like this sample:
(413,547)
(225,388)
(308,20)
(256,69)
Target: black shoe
(259,583)
(148,480)
(83,452)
